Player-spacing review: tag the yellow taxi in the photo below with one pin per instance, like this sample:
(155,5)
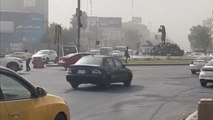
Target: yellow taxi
(20,100)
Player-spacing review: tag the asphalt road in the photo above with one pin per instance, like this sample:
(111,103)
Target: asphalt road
(157,93)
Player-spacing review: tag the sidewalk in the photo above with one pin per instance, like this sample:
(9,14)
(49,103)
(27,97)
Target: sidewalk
(192,116)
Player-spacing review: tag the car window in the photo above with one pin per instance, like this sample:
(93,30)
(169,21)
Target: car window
(11,89)
(90,60)
(210,63)
(110,62)
(117,63)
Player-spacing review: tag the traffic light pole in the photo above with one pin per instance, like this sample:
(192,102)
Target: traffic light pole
(79,24)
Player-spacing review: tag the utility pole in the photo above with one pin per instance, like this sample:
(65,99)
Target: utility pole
(79,23)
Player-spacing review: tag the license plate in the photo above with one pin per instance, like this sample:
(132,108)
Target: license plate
(81,71)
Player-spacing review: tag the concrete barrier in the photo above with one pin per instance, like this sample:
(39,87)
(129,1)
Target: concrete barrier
(205,109)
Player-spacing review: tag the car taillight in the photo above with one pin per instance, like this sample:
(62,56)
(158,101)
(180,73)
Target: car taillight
(96,71)
(202,69)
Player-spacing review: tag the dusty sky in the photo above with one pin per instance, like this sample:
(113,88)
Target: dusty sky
(177,15)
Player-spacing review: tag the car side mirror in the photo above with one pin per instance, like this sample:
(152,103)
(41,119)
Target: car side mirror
(40,92)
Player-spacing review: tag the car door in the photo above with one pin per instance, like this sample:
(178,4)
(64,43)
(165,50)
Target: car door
(3,110)
(112,70)
(18,100)
(121,70)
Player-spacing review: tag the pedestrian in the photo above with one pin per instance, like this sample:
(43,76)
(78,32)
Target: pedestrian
(28,59)
(126,54)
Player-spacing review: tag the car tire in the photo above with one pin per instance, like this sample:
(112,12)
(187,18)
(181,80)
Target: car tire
(128,81)
(60,117)
(13,66)
(203,83)
(56,60)
(106,83)
(193,72)
(74,85)
(47,61)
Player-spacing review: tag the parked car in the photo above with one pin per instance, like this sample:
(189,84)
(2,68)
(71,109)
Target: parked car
(20,55)
(46,56)
(70,59)
(198,63)
(13,63)
(99,70)
(117,53)
(206,74)
(20,100)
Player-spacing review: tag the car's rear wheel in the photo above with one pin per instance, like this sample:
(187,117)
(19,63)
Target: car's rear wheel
(12,66)
(47,61)
(203,83)
(60,117)
(106,83)
(193,72)
(74,85)
(128,81)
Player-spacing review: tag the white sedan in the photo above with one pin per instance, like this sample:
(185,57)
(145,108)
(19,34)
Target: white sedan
(206,74)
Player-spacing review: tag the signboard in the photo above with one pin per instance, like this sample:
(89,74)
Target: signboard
(16,46)
(68,50)
(29,3)
(22,27)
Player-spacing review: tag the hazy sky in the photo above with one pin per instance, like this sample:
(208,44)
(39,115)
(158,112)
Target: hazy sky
(177,15)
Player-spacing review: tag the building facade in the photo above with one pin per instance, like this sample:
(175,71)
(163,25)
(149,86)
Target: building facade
(22,22)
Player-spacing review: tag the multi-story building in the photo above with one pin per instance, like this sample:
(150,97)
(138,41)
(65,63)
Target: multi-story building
(141,29)
(22,21)
(103,30)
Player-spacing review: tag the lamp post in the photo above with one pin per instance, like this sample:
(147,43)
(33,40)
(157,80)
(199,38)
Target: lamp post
(79,24)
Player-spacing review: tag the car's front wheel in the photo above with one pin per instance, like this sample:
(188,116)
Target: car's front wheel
(128,81)
(74,85)
(203,83)
(60,117)
(12,66)
(193,72)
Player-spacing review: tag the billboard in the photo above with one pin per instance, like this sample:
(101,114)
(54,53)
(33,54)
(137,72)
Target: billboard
(21,27)
(109,28)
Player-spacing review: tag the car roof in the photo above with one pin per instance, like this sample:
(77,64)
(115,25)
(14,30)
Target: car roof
(103,56)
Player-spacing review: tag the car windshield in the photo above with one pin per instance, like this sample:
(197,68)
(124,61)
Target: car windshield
(90,60)
(43,52)
(210,63)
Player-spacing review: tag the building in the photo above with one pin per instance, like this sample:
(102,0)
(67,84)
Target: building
(22,22)
(141,29)
(103,30)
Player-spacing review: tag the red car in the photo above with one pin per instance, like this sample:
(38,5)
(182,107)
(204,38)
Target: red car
(70,59)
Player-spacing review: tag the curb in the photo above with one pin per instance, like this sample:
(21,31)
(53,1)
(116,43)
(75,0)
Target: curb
(56,65)
(192,116)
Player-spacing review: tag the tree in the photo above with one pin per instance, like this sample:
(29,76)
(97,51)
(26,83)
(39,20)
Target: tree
(200,38)
(132,38)
(68,35)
